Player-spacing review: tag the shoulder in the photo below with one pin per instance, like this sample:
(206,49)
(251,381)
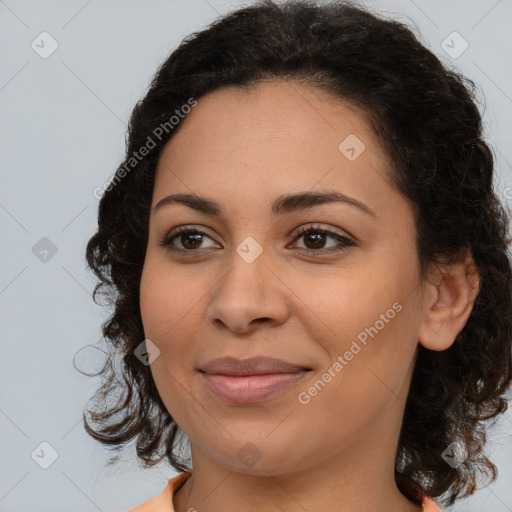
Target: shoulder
(429,505)
(163,502)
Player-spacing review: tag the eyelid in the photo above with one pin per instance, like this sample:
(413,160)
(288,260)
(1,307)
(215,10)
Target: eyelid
(320,227)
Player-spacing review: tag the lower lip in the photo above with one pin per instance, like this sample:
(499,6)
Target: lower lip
(250,388)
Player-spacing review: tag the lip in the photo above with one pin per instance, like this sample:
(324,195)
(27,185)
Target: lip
(250,380)
(250,388)
(257,365)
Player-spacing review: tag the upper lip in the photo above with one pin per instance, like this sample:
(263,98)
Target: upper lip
(251,366)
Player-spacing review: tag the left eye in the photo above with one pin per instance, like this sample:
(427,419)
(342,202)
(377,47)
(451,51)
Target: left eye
(191,239)
(316,236)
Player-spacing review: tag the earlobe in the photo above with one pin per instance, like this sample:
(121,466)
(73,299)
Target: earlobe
(449,303)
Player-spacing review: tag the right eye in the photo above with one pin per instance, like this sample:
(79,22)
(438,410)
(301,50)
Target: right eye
(188,237)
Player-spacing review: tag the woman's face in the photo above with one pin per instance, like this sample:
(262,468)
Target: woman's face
(345,311)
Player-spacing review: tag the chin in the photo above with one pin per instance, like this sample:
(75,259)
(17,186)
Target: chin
(262,457)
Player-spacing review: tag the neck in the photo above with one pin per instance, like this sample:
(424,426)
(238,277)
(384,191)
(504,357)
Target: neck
(338,484)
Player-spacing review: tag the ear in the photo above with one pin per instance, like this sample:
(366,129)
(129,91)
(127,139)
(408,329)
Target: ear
(449,294)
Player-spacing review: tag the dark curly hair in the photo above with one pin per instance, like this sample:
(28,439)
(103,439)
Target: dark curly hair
(425,116)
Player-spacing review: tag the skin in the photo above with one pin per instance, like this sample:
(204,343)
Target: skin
(243,148)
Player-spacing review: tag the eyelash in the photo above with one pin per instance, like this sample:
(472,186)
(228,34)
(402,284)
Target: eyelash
(167,240)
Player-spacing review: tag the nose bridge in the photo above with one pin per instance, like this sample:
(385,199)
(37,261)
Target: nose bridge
(249,289)
(248,270)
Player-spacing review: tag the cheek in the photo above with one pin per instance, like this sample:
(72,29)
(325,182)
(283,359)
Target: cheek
(366,318)
(172,312)
(168,298)
(166,307)
(153,302)
(347,304)
(367,360)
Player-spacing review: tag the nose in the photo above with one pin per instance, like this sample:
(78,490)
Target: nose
(249,295)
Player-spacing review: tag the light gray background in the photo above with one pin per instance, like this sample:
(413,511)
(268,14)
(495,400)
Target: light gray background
(63,121)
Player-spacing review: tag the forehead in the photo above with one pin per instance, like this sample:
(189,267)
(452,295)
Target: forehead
(273,138)
(275,113)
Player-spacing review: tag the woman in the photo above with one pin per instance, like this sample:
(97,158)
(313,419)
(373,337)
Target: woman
(309,269)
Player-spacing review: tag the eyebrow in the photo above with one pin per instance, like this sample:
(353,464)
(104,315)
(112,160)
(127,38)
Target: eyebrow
(284,204)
